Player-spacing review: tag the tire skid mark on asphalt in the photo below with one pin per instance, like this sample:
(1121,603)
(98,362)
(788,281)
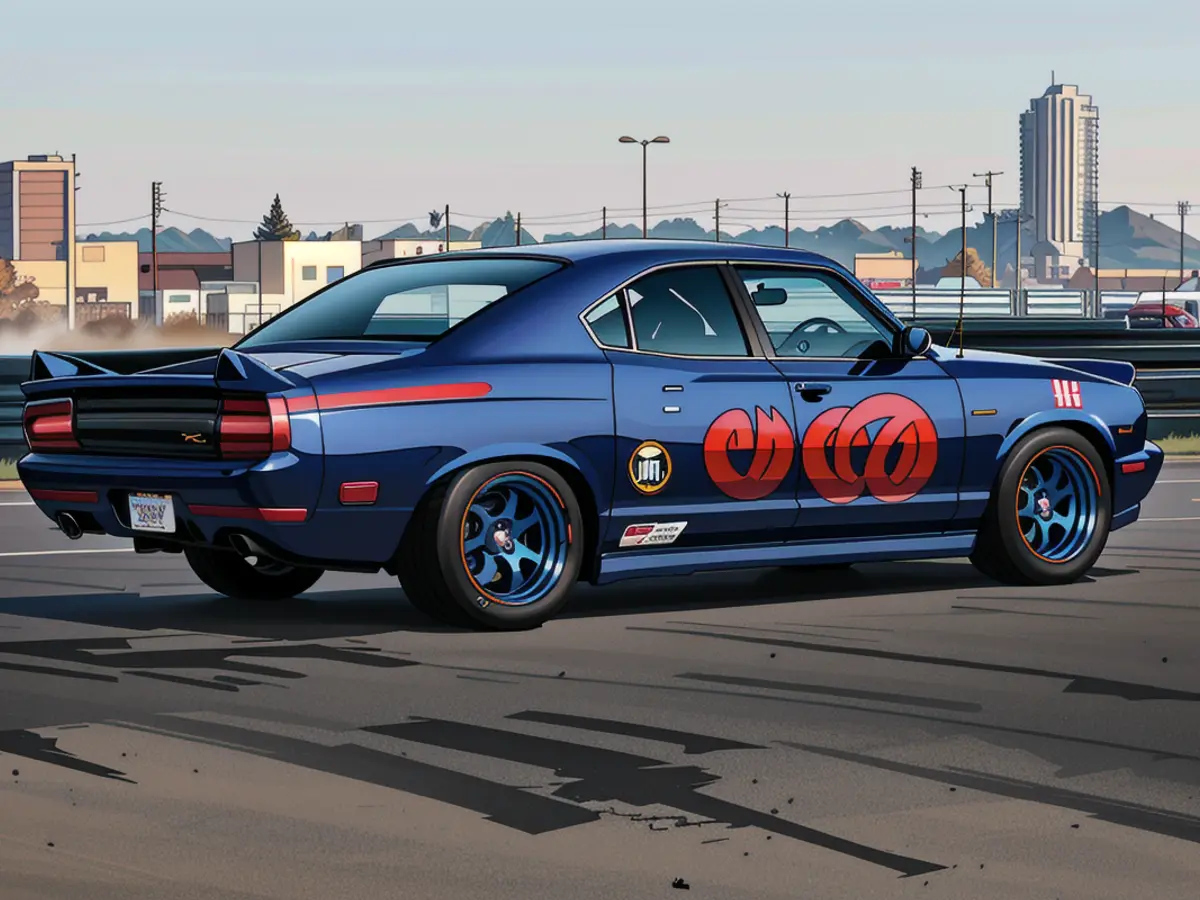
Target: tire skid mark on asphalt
(1024,612)
(1126,690)
(1084,601)
(963,724)
(1167,823)
(809,633)
(600,775)
(119,653)
(33,746)
(585,774)
(847,693)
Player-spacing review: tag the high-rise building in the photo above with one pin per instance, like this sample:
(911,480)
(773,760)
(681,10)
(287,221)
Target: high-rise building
(1060,177)
(37,224)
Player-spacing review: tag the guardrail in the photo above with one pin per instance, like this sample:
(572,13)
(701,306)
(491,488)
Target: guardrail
(1167,360)
(1031,302)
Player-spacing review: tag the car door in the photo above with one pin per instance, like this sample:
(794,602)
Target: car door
(703,421)
(880,436)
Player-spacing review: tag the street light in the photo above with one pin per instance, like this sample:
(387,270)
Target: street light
(658,140)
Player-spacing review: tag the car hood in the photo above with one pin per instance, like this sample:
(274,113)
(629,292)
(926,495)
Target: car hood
(984,363)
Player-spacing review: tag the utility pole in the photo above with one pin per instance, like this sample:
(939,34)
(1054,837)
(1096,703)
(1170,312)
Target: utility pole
(962,284)
(717,216)
(1184,209)
(604,223)
(156,207)
(1099,310)
(447,215)
(916,186)
(518,230)
(787,198)
(988,175)
(1021,220)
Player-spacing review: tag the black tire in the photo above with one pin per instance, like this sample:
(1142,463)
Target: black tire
(1001,550)
(228,573)
(432,564)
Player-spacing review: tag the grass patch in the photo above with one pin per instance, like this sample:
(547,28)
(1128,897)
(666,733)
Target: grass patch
(1174,444)
(8,470)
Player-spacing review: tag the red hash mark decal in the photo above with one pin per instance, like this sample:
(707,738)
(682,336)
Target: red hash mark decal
(1067,394)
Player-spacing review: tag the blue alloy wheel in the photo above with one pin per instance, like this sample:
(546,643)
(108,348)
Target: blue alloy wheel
(515,539)
(1058,504)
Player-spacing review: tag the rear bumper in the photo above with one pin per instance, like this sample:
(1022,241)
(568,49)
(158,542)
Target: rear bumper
(1133,479)
(273,502)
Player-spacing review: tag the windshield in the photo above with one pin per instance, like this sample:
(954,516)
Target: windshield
(408,301)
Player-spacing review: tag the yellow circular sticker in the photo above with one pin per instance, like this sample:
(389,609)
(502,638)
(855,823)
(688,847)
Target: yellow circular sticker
(650,467)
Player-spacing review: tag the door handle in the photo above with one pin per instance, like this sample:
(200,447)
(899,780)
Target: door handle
(812,392)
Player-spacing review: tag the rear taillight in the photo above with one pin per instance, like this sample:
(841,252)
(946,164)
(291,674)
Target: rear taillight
(50,426)
(253,428)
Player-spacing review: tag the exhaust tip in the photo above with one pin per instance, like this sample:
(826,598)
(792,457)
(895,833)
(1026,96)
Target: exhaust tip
(69,526)
(241,544)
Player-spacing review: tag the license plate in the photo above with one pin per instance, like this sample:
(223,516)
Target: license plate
(151,512)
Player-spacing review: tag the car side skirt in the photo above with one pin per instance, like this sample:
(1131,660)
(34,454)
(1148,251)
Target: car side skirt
(618,565)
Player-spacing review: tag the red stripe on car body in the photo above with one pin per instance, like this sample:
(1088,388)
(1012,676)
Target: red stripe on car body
(64,496)
(425,393)
(259,514)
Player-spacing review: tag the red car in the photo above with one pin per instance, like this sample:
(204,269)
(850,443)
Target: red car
(1159,315)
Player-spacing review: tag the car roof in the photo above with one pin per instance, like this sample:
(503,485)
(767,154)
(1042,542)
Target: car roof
(655,249)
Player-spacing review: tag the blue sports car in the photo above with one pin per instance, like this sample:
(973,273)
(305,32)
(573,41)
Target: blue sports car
(492,426)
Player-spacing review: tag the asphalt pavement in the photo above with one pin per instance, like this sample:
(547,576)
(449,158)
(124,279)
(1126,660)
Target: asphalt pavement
(896,730)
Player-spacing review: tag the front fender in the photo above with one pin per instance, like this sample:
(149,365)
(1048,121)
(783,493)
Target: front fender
(1047,418)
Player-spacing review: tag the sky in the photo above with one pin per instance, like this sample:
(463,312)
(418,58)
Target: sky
(377,112)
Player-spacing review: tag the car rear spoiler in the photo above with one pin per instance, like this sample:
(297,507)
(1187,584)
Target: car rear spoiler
(1112,369)
(55,373)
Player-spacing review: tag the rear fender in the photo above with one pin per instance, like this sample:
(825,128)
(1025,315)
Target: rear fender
(535,452)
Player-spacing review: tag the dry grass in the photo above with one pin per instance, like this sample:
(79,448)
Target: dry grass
(8,470)
(1177,445)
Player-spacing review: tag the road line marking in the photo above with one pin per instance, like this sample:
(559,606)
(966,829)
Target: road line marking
(25,503)
(1180,481)
(64,552)
(1176,519)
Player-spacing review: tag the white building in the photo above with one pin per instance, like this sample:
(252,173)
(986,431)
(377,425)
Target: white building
(398,248)
(288,271)
(1060,178)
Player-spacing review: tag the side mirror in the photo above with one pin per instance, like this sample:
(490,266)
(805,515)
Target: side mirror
(915,341)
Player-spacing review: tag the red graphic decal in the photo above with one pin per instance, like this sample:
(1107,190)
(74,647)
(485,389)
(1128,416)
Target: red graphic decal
(773,445)
(836,432)
(428,393)
(1066,394)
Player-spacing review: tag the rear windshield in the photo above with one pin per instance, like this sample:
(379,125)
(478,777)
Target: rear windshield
(409,301)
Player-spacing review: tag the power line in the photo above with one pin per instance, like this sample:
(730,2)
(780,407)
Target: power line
(140,218)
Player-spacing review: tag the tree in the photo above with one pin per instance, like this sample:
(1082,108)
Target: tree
(275,225)
(14,294)
(975,267)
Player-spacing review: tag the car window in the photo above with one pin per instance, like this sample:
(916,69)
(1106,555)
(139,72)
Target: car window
(407,301)
(685,311)
(607,322)
(812,315)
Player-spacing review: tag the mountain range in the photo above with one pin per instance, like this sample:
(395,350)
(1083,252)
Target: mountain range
(1128,239)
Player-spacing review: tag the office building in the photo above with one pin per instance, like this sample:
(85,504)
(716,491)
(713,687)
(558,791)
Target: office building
(1060,178)
(37,225)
